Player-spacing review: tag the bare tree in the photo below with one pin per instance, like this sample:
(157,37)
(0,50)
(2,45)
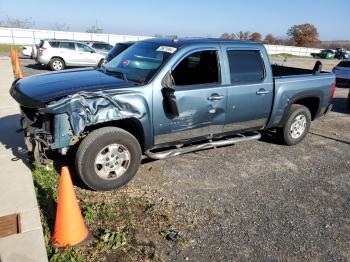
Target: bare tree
(228,36)
(256,37)
(61,27)
(94,29)
(15,22)
(270,39)
(304,35)
(243,35)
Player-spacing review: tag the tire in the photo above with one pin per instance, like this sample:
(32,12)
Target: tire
(101,63)
(300,116)
(56,64)
(99,147)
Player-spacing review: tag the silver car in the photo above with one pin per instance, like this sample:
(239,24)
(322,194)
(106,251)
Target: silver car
(342,73)
(61,53)
(100,47)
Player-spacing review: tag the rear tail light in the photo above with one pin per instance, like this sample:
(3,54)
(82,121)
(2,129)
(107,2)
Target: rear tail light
(41,50)
(332,91)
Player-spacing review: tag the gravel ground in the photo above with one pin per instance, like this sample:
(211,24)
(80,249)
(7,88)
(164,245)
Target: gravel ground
(260,200)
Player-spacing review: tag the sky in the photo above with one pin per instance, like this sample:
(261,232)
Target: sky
(186,18)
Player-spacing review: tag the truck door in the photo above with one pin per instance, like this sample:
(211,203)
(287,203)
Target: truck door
(200,99)
(250,88)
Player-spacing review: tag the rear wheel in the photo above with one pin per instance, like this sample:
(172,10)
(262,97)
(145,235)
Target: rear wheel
(56,64)
(297,125)
(108,158)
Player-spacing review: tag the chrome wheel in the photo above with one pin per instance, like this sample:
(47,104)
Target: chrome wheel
(298,126)
(57,65)
(112,161)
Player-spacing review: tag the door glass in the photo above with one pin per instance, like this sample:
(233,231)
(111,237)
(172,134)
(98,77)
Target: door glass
(67,45)
(84,48)
(245,66)
(197,68)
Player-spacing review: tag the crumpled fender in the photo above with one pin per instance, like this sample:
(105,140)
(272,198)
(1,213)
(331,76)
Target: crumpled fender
(91,108)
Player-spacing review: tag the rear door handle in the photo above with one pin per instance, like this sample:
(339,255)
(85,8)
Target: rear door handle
(215,97)
(262,91)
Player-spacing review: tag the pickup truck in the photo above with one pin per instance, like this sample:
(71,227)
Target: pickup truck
(165,97)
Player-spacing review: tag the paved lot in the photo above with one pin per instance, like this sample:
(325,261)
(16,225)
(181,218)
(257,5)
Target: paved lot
(16,186)
(260,200)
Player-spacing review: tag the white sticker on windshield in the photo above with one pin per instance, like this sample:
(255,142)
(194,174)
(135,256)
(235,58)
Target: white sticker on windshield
(168,49)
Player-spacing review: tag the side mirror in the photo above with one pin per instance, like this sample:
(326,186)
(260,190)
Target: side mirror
(168,90)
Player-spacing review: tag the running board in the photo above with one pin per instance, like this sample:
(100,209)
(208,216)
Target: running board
(212,144)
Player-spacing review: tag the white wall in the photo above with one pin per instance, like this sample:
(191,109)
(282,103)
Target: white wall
(33,36)
(293,50)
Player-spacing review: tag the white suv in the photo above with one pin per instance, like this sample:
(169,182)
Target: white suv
(61,53)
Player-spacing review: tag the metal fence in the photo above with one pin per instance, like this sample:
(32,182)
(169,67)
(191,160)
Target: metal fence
(32,36)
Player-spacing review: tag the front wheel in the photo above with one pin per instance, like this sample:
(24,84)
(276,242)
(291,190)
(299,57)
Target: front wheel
(108,158)
(297,125)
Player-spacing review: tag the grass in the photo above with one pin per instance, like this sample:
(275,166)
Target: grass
(5,48)
(125,226)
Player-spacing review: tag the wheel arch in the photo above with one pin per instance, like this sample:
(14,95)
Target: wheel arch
(131,125)
(311,100)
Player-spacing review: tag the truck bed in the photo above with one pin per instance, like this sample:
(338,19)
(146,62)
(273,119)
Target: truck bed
(278,70)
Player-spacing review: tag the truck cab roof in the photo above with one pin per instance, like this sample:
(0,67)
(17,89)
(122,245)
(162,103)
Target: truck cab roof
(182,42)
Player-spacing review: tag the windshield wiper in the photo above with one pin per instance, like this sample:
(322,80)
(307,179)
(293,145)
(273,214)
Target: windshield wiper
(115,72)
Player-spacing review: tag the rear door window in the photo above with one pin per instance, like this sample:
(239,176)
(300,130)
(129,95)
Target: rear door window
(245,66)
(67,45)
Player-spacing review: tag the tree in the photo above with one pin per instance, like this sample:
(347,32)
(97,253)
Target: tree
(94,29)
(256,37)
(61,27)
(228,36)
(17,23)
(270,39)
(304,35)
(243,35)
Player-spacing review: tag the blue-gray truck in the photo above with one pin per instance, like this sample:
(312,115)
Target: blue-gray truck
(164,97)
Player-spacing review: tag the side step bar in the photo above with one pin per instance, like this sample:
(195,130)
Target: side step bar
(207,145)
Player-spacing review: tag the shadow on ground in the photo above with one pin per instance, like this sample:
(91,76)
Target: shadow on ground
(11,137)
(340,105)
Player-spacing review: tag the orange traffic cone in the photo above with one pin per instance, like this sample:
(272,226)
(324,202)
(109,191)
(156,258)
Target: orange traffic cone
(70,228)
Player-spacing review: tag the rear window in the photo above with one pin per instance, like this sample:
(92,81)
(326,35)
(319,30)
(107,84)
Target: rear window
(41,43)
(54,44)
(245,65)
(67,45)
(344,64)
(102,46)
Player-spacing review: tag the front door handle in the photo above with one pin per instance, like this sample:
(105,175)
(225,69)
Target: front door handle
(262,91)
(215,97)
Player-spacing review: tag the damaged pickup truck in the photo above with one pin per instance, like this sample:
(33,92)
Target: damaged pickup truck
(165,97)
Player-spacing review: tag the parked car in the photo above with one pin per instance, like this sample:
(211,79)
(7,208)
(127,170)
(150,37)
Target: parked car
(100,47)
(61,53)
(325,54)
(341,53)
(342,73)
(163,98)
(27,50)
(117,49)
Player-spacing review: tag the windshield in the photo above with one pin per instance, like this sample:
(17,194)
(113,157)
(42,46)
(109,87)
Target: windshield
(140,62)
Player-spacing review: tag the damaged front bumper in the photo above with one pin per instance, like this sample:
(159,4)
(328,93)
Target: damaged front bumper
(57,125)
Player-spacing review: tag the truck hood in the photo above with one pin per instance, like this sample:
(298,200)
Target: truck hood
(36,91)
